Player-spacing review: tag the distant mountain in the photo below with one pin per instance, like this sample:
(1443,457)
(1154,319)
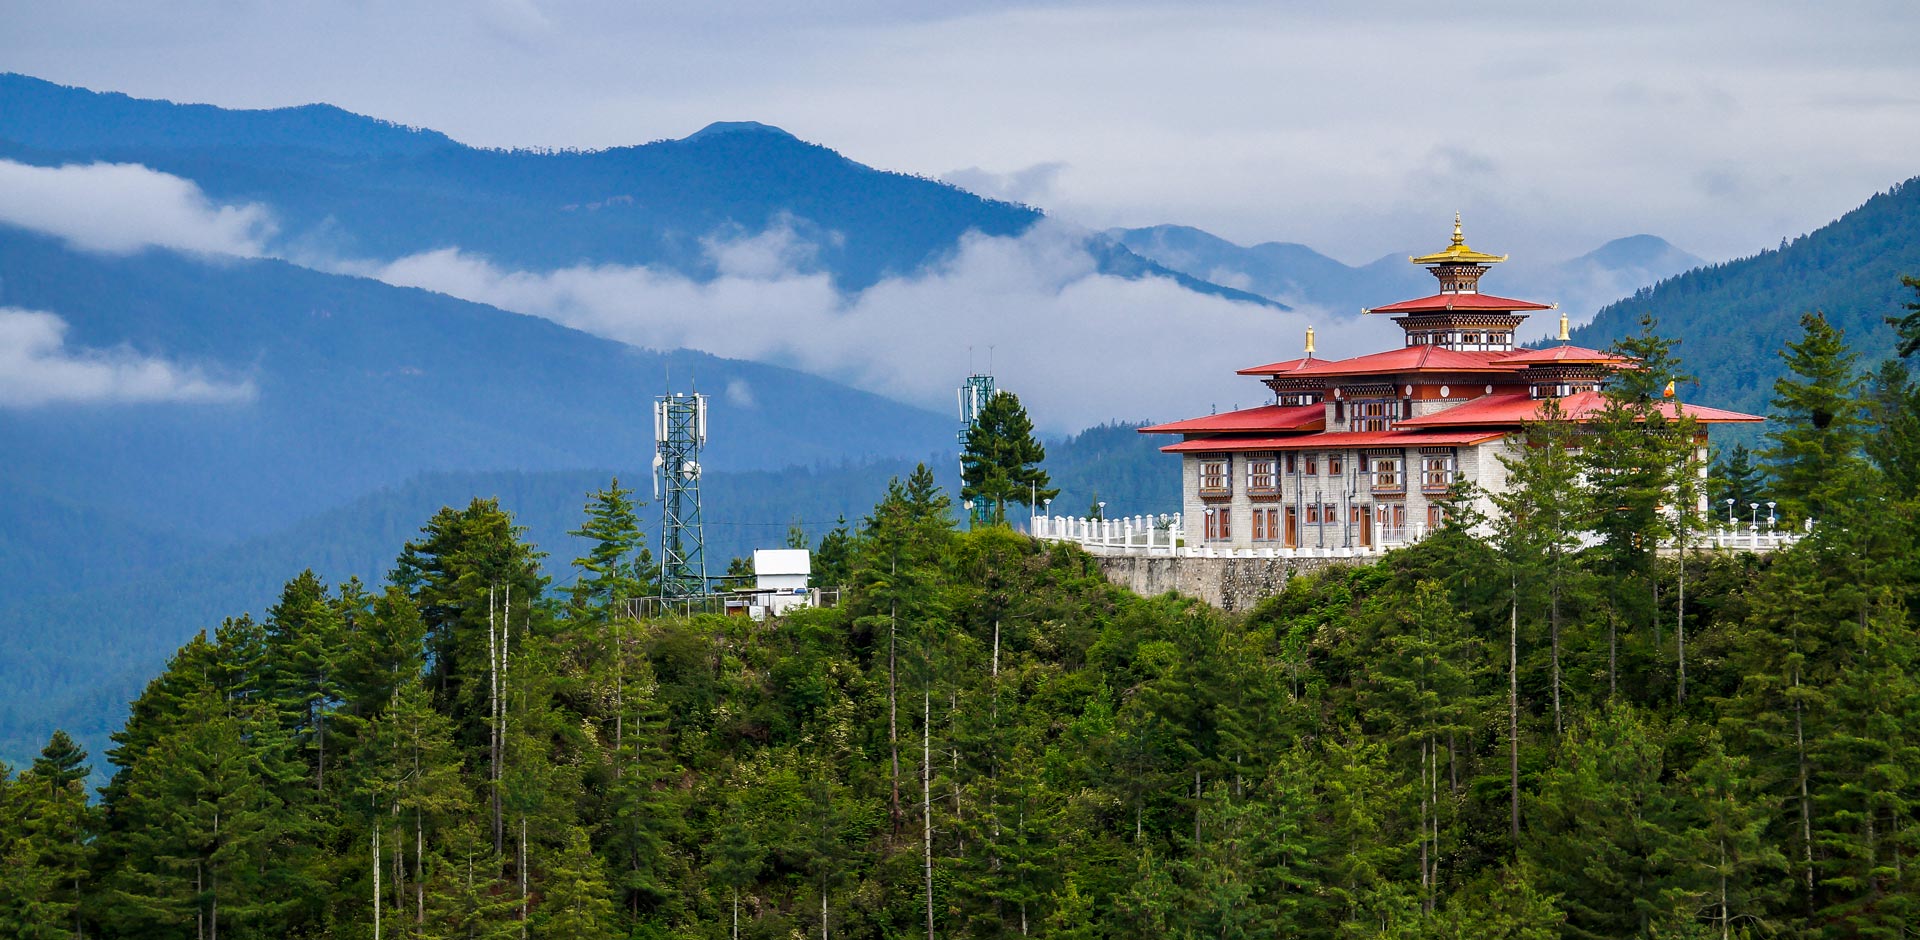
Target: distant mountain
(346,186)
(362,385)
(1296,274)
(1733,318)
(74,655)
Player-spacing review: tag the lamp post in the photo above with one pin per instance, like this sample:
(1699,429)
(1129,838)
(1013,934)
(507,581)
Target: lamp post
(1729,512)
(1754,520)
(1770,517)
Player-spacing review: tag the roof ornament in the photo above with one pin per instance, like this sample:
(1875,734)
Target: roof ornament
(1457,251)
(1309,342)
(1563,327)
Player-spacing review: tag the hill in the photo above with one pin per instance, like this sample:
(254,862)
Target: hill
(1297,274)
(360,385)
(1733,318)
(343,186)
(75,655)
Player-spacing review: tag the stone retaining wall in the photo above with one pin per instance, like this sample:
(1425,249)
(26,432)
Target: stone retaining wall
(1231,584)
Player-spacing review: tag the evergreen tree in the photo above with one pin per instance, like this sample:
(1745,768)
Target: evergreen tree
(1738,478)
(617,565)
(832,561)
(1908,324)
(1819,425)
(1000,463)
(1893,404)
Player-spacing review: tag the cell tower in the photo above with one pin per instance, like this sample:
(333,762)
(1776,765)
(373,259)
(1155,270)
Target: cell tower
(679,431)
(973,399)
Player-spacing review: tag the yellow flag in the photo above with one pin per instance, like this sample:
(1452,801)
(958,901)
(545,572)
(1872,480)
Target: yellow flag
(1669,392)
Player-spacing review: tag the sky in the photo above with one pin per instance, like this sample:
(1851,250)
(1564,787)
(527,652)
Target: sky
(1355,128)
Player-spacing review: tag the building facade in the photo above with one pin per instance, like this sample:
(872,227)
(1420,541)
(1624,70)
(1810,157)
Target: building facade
(1360,454)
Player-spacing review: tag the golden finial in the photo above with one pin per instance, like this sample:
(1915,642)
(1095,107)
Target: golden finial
(1309,342)
(1563,328)
(1457,251)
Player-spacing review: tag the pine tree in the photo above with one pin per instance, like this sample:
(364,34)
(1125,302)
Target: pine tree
(735,860)
(1541,516)
(617,565)
(1908,325)
(1738,478)
(576,903)
(1819,425)
(1000,463)
(1893,405)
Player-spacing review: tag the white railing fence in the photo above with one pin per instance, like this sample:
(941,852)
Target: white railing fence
(1165,535)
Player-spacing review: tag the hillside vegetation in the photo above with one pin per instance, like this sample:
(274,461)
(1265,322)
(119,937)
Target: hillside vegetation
(1731,317)
(1496,733)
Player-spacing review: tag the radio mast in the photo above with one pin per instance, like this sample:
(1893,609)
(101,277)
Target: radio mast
(679,431)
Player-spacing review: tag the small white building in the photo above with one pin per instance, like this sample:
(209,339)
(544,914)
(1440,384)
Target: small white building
(780,581)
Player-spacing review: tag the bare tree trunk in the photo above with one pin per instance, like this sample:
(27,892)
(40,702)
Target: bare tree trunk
(926,797)
(378,901)
(523,878)
(893,703)
(1680,617)
(1513,710)
(493,720)
(1553,621)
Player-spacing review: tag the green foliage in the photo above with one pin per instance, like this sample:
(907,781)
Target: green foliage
(1000,463)
(1819,425)
(1338,763)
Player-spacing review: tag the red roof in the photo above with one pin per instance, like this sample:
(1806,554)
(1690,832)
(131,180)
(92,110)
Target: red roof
(1279,368)
(1392,362)
(1336,440)
(1464,302)
(1518,408)
(1561,353)
(1263,418)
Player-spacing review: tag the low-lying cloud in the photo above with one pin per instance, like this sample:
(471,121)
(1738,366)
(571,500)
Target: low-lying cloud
(120,208)
(37,367)
(1079,346)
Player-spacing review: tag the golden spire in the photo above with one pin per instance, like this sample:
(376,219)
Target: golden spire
(1563,328)
(1309,342)
(1457,251)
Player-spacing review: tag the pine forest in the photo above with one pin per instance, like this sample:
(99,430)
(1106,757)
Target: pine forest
(1529,725)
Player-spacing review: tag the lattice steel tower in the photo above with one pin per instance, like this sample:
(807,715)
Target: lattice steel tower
(679,431)
(973,399)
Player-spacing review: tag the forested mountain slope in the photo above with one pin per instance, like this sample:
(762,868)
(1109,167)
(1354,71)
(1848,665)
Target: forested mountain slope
(1732,318)
(346,187)
(91,621)
(1490,734)
(360,385)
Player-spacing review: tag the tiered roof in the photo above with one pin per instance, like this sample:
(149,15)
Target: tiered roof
(1516,378)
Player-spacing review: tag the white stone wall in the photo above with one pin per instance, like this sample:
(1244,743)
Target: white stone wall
(1476,464)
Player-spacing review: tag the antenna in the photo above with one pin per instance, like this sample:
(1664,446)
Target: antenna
(973,399)
(679,432)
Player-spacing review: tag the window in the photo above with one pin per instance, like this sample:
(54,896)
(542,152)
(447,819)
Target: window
(1260,477)
(1313,464)
(1330,514)
(1313,514)
(1334,464)
(1386,475)
(1373,415)
(1219,525)
(1289,461)
(1213,476)
(1392,518)
(1436,472)
(1266,525)
(1436,516)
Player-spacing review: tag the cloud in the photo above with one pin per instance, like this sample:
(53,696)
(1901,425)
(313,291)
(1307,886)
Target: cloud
(38,368)
(1033,186)
(120,208)
(1080,347)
